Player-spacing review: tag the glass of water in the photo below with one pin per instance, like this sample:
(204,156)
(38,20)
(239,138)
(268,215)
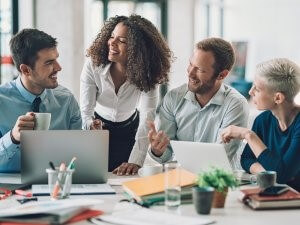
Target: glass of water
(172,185)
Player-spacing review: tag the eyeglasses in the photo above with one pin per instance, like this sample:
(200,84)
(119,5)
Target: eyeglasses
(4,193)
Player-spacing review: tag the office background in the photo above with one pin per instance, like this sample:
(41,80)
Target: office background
(261,29)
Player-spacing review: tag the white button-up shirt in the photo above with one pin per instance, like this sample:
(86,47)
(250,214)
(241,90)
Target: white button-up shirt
(97,93)
(182,118)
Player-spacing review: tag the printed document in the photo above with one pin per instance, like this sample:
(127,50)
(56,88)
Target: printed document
(130,214)
(77,189)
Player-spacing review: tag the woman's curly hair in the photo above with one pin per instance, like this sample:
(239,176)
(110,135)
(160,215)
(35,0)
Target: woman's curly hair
(148,54)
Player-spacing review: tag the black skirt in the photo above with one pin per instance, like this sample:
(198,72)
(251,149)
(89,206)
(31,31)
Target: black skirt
(121,139)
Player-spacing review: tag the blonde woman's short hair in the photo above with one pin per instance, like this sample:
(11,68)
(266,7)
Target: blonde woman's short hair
(281,75)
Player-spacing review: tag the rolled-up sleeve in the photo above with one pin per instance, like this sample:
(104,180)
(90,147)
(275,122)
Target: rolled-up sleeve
(88,93)
(286,165)
(7,152)
(247,158)
(147,107)
(237,114)
(166,123)
(75,120)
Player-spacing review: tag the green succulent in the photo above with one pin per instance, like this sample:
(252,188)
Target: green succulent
(216,178)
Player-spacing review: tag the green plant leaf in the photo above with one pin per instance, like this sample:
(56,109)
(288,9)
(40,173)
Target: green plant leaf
(217,178)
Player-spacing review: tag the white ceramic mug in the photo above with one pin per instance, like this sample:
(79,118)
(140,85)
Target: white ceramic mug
(42,121)
(150,170)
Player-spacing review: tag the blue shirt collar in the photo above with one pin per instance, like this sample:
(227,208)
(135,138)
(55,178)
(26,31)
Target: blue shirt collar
(217,99)
(26,94)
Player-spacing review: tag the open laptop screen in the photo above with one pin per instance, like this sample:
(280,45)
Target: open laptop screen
(199,156)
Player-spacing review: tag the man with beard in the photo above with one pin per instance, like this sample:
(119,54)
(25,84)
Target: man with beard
(199,110)
(35,90)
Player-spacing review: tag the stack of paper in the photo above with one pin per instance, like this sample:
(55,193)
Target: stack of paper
(76,189)
(50,212)
(130,214)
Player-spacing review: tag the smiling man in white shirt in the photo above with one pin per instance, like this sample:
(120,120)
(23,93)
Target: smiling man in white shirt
(199,110)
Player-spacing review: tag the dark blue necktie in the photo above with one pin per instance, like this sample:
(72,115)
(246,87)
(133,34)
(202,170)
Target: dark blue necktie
(36,104)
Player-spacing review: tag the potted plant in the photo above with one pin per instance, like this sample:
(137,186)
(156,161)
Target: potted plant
(220,180)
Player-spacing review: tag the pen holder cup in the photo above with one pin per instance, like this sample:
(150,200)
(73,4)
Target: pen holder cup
(60,183)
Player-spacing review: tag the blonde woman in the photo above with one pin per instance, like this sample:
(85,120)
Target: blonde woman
(274,141)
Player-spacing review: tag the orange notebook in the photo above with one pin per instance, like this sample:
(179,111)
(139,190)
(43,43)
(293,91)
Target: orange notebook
(155,184)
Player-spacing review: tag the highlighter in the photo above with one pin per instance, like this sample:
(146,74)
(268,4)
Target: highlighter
(56,186)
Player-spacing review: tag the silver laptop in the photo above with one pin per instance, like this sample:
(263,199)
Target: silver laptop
(90,147)
(199,156)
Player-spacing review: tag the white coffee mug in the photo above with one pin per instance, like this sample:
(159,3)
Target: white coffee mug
(42,121)
(150,170)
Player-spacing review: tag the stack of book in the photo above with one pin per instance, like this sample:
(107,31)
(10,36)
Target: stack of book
(49,212)
(251,197)
(150,190)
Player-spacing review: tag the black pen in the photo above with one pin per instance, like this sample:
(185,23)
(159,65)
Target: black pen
(24,200)
(53,168)
(52,165)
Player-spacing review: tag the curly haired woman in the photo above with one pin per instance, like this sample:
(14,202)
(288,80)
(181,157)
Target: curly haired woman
(128,59)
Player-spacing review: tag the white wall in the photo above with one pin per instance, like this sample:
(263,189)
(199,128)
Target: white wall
(62,19)
(25,14)
(270,26)
(180,38)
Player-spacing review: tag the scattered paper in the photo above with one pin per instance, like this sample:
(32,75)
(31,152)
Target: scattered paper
(77,189)
(48,206)
(131,214)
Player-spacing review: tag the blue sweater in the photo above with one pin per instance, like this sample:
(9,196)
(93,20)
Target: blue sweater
(283,149)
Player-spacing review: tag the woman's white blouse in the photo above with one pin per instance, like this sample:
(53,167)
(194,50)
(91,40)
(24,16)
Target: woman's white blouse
(97,93)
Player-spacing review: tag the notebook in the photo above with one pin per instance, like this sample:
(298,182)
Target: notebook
(50,212)
(155,184)
(251,197)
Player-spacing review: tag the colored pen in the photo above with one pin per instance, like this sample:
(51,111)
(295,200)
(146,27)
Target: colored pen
(71,164)
(57,186)
(53,168)
(52,165)
(68,177)
(24,200)
(23,193)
